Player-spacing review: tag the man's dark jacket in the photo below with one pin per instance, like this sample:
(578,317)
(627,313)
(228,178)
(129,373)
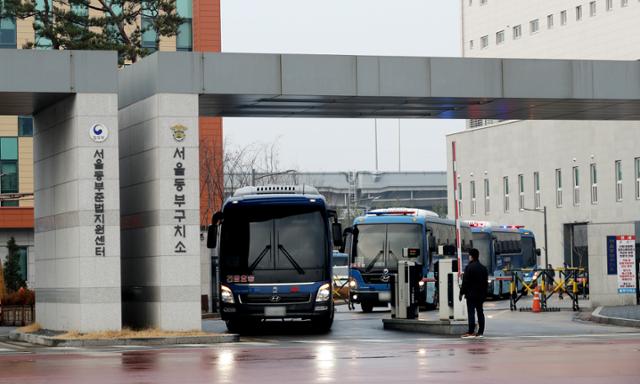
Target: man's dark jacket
(475,282)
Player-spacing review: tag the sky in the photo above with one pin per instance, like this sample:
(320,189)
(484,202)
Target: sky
(351,27)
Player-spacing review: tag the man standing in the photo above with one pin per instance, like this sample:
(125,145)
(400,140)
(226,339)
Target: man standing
(474,288)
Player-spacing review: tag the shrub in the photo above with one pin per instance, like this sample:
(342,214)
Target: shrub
(23,296)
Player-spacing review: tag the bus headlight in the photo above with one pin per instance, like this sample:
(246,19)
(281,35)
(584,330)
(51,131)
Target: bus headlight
(421,283)
(226,296)
(353,284)
(324,293)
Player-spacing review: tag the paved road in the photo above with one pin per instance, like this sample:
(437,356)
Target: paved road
(520,347)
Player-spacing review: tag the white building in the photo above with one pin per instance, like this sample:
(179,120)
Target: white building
(587,173)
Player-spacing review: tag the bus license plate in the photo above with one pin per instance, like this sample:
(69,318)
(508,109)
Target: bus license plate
(384,296)
(275,311)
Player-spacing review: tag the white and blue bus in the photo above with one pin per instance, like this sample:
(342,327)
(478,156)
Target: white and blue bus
(380,238)
(502,249)
(275,247)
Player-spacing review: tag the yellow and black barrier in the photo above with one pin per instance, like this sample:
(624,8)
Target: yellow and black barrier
(572,282)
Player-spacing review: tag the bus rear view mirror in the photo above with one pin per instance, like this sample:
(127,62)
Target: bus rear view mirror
(212,231)
(336,232)
(538,252)
(212,236)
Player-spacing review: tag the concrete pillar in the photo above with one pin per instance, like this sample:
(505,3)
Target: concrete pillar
(77,214)
(160,212)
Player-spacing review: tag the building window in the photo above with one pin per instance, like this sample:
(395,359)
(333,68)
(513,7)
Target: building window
(484,41)
(520,191)
(618,169)
(8,165)
(576,186)
(8,32)
(517,32)
(563,18)
(41,41)
(536,190)
(470,44)
(505,187)
(579,13)
(499,37)
(637,162)
(609,5)
(549,21)
(594,184)
(472,193)
(184,39)
(149,39)
(9,203)
(534,25)
(487,197)
(624,3)
(8,148)
(25,126)
(558,188)
(592,8)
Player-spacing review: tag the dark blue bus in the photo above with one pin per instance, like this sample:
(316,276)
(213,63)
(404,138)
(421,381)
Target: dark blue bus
(275,247)
(502,249)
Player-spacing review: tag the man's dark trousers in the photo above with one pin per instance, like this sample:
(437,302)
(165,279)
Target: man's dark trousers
(473,307)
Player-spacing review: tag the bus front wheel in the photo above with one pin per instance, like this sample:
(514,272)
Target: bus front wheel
(322,324)
(240,326)
(366,307)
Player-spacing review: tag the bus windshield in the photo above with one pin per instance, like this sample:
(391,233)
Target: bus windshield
(482,242)
(379,246)
(274,244)
(528,252)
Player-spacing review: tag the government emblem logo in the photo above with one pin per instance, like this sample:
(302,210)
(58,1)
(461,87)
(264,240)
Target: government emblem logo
(179,132)
(98,133)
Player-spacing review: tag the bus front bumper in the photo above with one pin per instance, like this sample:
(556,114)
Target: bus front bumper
(373,297)
(274,311)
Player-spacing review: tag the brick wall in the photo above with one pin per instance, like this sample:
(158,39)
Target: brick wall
(207,37)
(14,217)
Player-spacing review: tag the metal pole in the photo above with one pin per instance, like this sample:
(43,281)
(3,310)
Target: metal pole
(375,122)
(253,176)
(399,167)
(456,206)
(546,249)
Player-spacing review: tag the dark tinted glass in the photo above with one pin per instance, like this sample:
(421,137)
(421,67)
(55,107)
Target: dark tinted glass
(25,126)
(528,252)
(9,178)
(482,242)
(275,244)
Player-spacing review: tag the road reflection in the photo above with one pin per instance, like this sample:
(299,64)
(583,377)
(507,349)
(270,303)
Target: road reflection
(325,359)
(225,366)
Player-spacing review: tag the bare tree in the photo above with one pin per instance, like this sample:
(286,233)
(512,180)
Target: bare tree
(222,172)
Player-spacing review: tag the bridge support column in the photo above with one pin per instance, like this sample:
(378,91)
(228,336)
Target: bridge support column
(77,214)
(160,212)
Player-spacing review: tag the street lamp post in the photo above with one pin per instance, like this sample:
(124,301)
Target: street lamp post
(546,249)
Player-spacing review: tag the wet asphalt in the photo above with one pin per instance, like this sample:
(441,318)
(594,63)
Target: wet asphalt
(518,347)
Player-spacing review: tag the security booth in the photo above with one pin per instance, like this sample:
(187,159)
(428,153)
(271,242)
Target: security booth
(449,281)
(405,288)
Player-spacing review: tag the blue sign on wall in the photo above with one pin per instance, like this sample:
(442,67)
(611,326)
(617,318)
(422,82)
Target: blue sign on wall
(612,256)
